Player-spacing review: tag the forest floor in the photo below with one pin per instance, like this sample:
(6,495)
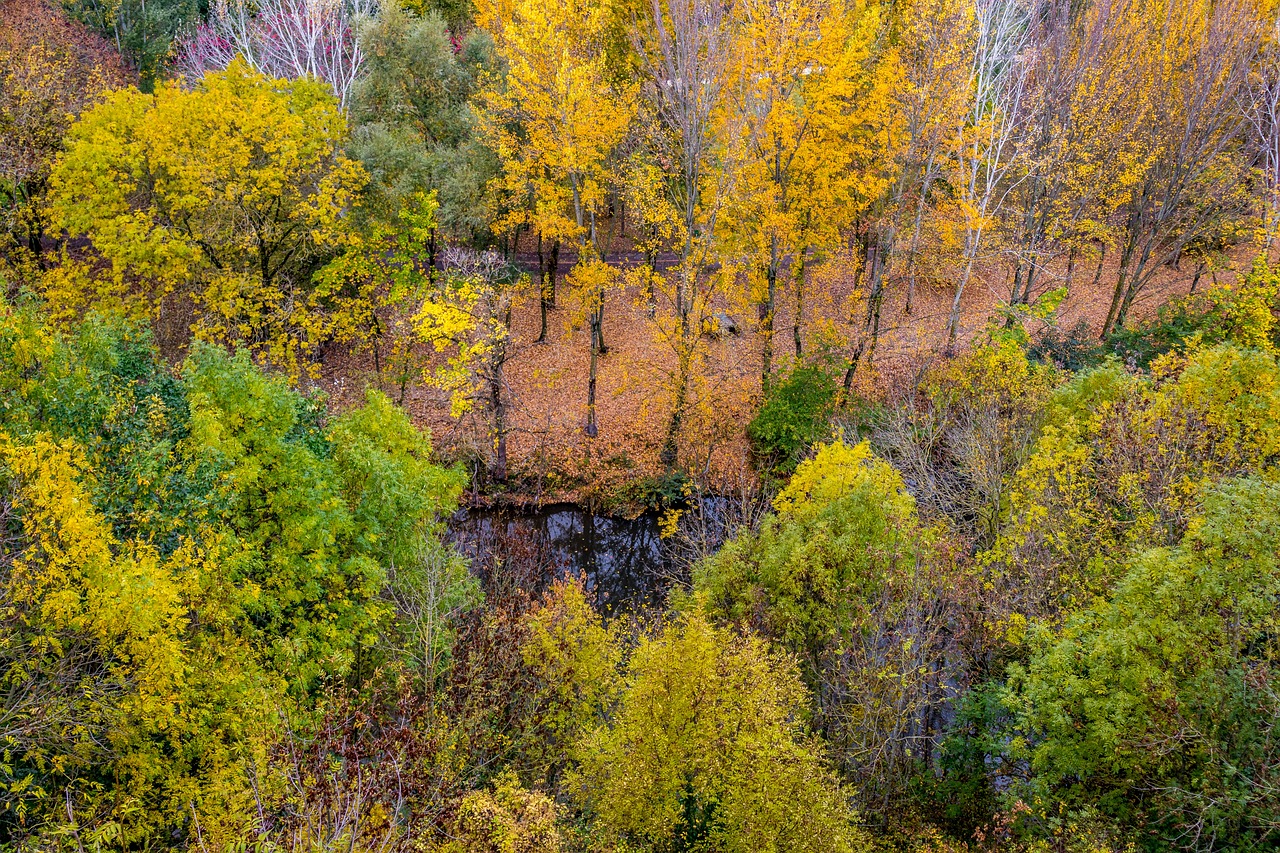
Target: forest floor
(550,456)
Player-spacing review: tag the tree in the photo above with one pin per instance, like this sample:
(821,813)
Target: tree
(705,750)
(45,82)
(843,576)
(985,147)
(1262,108)
(142,31)
(238,237)
(1120,466)
(555,121)
(926,71)
(283,39)
(684,53)
(468,314)
(187,559)
(1166,689)
(796,142)
(1199,57)
(412,123)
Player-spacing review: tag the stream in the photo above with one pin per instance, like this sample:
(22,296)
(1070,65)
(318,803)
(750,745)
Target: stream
(624,563)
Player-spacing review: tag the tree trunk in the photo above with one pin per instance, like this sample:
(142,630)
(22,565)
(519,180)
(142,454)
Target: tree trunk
(953,320)
(766,327)
(1118,295)
(498,403)
(799,318)
(554,267)
(592,429)
(542,293)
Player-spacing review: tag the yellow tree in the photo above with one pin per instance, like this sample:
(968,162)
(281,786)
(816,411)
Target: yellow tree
(468,316)
(925,68)
(931,99)
(229,197)
(802,124)
(555,121)
(1083,152)
(1198,55)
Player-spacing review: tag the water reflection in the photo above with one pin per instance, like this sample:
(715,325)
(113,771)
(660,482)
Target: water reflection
(624,563)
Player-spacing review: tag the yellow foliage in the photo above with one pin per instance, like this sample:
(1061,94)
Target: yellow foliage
(227,195)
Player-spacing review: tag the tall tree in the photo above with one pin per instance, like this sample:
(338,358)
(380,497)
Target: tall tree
(801,122)
(926,69)
(1262,108)
(1001,65)
(555,121)
(412,123)
(239,236)
(1198,58)
(684,47)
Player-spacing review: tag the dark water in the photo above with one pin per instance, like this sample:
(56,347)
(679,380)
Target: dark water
(624,563)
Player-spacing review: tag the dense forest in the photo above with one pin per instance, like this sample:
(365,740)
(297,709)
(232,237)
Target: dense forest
(940,340)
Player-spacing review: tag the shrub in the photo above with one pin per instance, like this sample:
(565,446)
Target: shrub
(795,415)
(1243,315)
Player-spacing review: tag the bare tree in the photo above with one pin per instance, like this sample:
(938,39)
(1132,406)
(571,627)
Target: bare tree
(289,39)
(685,48)
(1261,103)
(1002,62)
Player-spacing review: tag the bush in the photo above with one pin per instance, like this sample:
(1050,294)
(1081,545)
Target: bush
(1244,315)
(1074,349)
(795,415)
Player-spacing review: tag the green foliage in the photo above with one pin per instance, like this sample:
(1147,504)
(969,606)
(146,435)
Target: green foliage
(844,524)
(143,30)
(1074,349)
(961,795)
(412,123)
(185,558)
(1244,315)
(844,577)
(1160,703)
(794,416)
(1119,466)
(706,752)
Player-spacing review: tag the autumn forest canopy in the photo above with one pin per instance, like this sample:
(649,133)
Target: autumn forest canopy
(936,341)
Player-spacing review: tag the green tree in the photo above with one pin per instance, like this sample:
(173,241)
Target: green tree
(843,576)
(412,124)
(186,558)
(1160,703)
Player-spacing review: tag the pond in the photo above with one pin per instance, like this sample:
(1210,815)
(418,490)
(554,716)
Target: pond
(624,563)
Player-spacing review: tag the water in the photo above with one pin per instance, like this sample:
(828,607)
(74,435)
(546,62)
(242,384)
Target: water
(624,563)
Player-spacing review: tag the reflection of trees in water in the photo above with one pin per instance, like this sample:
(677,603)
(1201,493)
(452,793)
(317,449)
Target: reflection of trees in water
(624,563)
(621,561)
